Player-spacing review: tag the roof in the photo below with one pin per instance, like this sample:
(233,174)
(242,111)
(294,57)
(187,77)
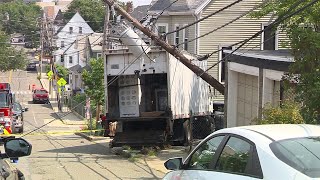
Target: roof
(276,132)
(140,11)
(267,59)
(75,68)
(95,41)
(59,19)
(179,6)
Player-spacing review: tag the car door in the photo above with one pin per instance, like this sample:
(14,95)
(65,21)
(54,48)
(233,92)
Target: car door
(199,164)
(221,157)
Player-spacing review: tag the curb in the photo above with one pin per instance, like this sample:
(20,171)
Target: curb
(90,138)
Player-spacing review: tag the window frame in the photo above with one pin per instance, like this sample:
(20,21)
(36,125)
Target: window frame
(185,37)
(176,35)
(276,43)
(253,151)
(80,30)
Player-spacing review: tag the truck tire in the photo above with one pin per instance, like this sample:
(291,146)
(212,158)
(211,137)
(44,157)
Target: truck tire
(187,133)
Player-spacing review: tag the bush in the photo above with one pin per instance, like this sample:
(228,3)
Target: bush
(288,113)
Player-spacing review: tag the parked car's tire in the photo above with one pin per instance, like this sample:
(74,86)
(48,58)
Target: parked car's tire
(20,175)
(21,130)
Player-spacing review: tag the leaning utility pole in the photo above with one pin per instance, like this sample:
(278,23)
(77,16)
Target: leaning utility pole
(170,49)
(104,41)
(41,42)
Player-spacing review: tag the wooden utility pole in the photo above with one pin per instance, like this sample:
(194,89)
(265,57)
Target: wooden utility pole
(104,41)
(42,43)
(170,49)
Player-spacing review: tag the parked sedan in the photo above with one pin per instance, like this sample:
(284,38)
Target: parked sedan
(40,95)
(18,120)
(32,66)
(253,152)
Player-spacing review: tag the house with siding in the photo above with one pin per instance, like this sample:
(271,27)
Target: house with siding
(213,38)
(66,37)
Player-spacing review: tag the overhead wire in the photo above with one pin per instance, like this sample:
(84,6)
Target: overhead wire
(276,22)
(202,19)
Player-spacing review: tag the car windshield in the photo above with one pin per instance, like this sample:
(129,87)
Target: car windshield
(16,107)
(303,154)
(3,100)
(41,92)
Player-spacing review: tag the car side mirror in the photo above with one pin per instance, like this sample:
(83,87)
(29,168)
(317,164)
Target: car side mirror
(17,147)
(173,163)
(25,109)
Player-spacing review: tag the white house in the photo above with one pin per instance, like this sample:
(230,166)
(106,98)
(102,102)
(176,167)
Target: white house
(66,38)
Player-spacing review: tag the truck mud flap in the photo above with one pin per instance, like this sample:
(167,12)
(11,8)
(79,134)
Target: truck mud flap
(139,138)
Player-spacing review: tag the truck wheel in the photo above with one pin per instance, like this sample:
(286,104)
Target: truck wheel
(187,133)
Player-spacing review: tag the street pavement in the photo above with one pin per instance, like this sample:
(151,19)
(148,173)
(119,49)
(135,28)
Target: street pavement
(68,156)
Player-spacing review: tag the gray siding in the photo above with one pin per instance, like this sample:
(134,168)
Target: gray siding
(172,21)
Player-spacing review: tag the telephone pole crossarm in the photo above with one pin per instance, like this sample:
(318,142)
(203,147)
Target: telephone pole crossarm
(170,49)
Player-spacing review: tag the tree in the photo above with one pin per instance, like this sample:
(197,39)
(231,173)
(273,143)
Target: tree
(62,71)
(303,30)
(92,11)
(11,59)
(93,80)
(19,17)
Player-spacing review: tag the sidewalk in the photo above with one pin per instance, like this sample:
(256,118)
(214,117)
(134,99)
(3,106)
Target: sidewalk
(66,117)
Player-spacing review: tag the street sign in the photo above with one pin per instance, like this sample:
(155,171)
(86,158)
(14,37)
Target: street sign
(50,73)
(61,82)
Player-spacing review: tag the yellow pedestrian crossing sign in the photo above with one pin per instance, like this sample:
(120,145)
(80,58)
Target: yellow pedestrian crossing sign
(61,82)
(49,74)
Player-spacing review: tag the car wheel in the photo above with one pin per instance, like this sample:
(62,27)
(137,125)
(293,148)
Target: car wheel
(20,175)
(33,101)
(21,130)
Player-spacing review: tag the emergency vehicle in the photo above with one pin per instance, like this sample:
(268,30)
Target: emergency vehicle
(6,102)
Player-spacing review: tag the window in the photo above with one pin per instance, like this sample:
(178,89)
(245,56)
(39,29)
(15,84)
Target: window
(202,159)
(62,58)
(177,35)
(17,107)
(162,29)
(70,30)
(99,55)
(269,39)
(80,30)
(222,68)
(62,43)
(70,59)
(301,154)
(185,38)
(239,157)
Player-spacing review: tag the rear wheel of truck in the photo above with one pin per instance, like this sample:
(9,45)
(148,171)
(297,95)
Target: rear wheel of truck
(187,133)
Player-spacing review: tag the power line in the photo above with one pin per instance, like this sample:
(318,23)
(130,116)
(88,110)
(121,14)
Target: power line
(276,22)
(206,17)
(224,25)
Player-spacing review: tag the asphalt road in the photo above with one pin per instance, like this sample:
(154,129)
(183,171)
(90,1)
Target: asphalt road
(65,156)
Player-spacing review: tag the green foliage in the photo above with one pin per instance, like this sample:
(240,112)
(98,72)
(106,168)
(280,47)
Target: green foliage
(92,11)
(79,98)
(288,113)
(62,71)
(303,30)
(23,18)
(10,58)
(93,79)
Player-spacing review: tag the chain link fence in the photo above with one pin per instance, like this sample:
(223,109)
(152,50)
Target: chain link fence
(79,108)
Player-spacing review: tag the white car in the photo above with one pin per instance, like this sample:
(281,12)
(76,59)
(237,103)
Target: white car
(275,152)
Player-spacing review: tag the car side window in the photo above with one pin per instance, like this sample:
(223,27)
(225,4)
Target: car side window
(238,156)
(202,158)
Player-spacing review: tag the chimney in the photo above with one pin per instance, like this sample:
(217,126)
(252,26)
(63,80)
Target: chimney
(129,6)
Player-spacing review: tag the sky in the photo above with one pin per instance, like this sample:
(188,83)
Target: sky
(138,2)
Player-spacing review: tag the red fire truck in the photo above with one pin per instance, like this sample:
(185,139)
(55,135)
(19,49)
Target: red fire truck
(6,101)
